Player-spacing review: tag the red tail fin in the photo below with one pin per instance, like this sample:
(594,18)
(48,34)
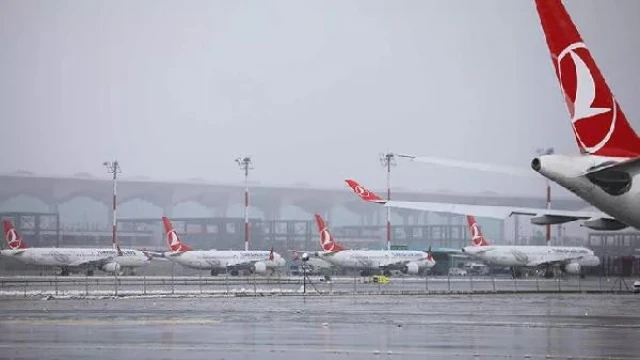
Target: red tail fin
(173,241)
(600,126)
(477,239)
(326,240)
(364,194)
(12,237)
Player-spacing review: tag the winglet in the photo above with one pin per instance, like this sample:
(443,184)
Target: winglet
(363,193)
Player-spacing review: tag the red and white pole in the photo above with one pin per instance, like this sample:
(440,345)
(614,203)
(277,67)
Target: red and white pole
(114,168)
(246,207)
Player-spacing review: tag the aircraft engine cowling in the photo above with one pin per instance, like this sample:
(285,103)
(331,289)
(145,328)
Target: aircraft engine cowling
(111,267)
(603,224)
(260,268)
(411,268)
(572,268)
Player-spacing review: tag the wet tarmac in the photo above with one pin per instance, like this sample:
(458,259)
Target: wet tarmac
(488,326)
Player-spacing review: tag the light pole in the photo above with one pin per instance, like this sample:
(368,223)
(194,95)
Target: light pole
(114,168)
(245,164)
(540,152)
(387,160)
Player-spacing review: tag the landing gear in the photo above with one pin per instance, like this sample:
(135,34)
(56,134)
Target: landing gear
(234,272)
(214,272)
(64,272)
(387,273)
(89,272)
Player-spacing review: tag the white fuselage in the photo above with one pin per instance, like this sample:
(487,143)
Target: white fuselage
(375,259)
(223,259)
(76,257)
(567,172)
(530,256)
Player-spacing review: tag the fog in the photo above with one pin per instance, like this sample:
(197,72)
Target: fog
(314,91)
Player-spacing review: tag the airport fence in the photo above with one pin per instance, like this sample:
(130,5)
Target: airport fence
(201,285)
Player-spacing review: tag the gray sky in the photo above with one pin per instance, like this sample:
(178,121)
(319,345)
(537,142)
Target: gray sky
(313,90)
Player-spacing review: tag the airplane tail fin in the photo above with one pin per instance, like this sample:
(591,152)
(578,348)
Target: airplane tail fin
(363,193)
(477,239)
(173,240)
(13,237)
(599,125)
(326,240)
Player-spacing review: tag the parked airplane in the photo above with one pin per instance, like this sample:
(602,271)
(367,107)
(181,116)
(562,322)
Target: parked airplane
(609,162)
(549,258)
(370,261)
(72,259)
(233,261)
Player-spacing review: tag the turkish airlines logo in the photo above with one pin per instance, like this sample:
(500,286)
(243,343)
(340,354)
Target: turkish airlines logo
(13,240)
(580,93)
(362,192)
(173,240)
(476,237)
(326,241)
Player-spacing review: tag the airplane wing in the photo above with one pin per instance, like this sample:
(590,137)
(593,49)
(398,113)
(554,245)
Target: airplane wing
(92,263)
(391,264)
(554,259)
(495,211)
(487,211)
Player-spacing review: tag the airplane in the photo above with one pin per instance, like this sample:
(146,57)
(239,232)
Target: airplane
(72,259)
(370,261)
(566,259)
(603,173)
(233,261)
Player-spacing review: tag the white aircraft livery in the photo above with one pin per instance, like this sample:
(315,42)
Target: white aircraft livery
(369,261)
(258,262)
(566,259)
(604,173)
(72,259)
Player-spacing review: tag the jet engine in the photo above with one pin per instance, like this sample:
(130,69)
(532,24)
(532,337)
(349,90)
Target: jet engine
(603,224)
(305,257)
(111,267)
(260,268)
(572,268)
(411,268)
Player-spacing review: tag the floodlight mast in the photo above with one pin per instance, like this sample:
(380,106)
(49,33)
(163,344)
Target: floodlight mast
(114,168)
(245,164)
(387,160)
(540,152)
